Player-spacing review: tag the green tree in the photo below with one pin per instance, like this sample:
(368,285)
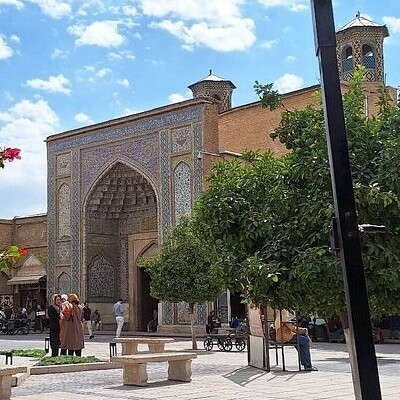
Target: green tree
(268,218)
(183,271)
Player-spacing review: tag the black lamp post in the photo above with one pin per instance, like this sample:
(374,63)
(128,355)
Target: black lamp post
(361,345)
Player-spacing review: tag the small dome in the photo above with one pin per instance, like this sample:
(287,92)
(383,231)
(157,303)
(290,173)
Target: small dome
(360,21)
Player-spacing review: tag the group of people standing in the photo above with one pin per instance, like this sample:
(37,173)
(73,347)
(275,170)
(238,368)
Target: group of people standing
(66,328)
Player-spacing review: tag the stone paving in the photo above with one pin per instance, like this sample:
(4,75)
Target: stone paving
(216,375)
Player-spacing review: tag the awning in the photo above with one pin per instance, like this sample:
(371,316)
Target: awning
(24,280)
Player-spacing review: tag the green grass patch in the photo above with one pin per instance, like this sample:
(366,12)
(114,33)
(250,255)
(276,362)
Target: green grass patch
(61,360)
(33,353)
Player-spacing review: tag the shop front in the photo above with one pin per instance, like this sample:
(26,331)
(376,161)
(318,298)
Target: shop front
(29,285)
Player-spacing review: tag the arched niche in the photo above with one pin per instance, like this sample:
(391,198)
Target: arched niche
(101,279)
(64,283)
(182,190)
(368,56)
(347,59)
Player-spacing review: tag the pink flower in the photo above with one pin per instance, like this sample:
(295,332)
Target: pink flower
(11,154)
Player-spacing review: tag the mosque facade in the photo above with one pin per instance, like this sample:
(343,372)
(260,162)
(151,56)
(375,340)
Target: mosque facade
(116,188)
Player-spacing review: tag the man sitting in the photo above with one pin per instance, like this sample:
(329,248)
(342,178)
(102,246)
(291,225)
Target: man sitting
(288,332)
(212,322)
(96,320)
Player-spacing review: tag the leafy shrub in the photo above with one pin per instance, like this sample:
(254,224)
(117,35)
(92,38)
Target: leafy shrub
(61,360)
(34,353)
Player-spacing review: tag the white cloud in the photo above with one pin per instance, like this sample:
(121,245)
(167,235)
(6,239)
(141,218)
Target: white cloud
(291,59)
(177,97)
(123,82)
(53,8)
(126,54)
(17,3)
(393,24)
(237,36)
(5,50)
(131,111)
(58,53)
(288,82)
(83,119)
(103,34)
(292,5)
(15,38)
(214,24)
(101,73)
(26,126)
(269,44)
(55,84)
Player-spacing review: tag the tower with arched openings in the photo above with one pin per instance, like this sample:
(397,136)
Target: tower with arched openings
(360,42)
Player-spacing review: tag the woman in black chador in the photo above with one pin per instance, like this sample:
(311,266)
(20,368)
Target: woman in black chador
(54,318)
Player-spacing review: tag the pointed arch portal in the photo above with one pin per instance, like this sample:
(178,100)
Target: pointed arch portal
(122,204)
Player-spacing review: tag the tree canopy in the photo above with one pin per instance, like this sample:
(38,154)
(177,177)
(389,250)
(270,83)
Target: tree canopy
(267,218)
(183,271)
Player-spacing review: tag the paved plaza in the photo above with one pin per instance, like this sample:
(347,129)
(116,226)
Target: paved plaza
(216,375)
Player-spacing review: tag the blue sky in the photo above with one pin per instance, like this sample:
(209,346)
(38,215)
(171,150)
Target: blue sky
(69,63)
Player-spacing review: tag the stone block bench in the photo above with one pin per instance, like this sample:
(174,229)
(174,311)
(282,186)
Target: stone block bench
(135,366)
(130,344)
(6,373)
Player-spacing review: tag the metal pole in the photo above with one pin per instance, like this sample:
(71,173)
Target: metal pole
(361,345)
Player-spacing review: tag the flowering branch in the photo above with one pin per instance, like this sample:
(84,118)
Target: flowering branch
(11,255)
(9,154)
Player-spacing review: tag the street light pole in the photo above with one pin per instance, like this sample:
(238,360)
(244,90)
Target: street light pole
(361,345)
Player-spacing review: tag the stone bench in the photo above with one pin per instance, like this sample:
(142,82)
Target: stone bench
(130,344)
(6,373)
(135,366)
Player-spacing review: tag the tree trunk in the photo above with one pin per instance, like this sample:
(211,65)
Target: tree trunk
(192,329)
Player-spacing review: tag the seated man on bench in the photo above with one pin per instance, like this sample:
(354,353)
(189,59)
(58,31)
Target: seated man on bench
(288,332)
(212,322)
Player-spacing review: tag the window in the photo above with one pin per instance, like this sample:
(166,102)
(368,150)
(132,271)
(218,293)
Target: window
(368,56)
(347,59)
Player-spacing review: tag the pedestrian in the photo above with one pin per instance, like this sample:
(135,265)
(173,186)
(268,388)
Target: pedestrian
(287,332)
(87,321)
(119,316)
(96,319)
(212,322)
(152,325)
(64,309)
(54,322)
(73,317)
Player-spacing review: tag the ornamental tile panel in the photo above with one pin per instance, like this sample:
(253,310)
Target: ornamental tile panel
(51,223)
(168,313)
(181,139)
(64,284)
(198,167)
(141,151)
(126,130)
(123,265)
(102,279)
(165,203)
(64,253)
(201,314)
(64,165)
(64,211)
(75,226)
(182,191)
(183,315)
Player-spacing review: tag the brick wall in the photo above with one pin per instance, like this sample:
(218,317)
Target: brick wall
(249,126)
